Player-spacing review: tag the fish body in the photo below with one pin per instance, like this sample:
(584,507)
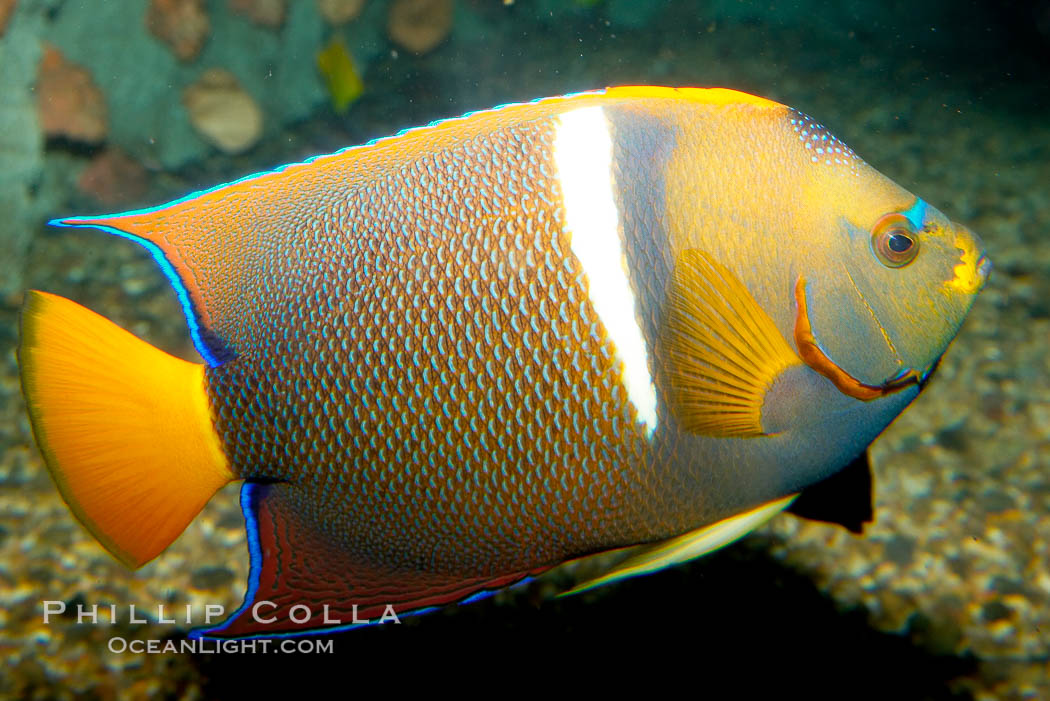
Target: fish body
(450,359)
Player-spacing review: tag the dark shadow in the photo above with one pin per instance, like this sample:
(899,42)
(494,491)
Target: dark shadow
(737,621)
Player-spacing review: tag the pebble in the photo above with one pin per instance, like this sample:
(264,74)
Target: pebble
(69,103)
(268,13)
(181,24)
(7,8)
(420,25)
(222,112)
(210,578)
(339,12)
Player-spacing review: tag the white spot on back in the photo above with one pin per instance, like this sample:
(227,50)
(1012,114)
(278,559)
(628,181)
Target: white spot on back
(583,154)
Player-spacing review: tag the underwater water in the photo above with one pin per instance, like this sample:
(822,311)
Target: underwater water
(115,105)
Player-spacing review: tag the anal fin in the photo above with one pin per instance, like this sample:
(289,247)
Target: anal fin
(649,558)
(302,583)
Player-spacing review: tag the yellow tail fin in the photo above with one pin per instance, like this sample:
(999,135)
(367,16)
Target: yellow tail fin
(124,427)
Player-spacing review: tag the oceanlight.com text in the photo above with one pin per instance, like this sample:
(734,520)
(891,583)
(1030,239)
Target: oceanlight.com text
(262,646)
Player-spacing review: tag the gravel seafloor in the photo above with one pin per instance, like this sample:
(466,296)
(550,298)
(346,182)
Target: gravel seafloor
(947,594)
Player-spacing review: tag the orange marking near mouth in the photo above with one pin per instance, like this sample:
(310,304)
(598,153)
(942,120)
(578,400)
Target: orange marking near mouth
(815,358)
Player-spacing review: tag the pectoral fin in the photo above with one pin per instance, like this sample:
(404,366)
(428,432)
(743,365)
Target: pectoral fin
(649,558)
(724,351)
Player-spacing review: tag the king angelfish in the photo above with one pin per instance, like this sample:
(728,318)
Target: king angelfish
(448,360)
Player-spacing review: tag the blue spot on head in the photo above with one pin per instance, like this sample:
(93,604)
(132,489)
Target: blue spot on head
(916,214)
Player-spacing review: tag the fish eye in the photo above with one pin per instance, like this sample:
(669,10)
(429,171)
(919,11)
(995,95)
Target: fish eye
(894,241)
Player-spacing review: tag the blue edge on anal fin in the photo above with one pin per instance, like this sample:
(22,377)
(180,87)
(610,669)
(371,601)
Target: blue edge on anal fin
(207,343)
(251,494)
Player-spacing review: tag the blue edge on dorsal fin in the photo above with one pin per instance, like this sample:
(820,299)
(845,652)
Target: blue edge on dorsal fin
(212,348)
(214,351)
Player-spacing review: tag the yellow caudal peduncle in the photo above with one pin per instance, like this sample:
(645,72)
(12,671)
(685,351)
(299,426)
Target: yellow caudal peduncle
(124,427)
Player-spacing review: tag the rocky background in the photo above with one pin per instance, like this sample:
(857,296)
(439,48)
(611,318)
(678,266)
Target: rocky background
(114,104)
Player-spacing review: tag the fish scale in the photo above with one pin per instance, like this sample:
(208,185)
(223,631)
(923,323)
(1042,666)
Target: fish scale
(428,495)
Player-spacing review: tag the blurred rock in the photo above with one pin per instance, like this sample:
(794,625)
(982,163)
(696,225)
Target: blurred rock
(181,24)
(339,11)
(114,178)
(22,200)
(7,8)
(222,112)
(210,578)
(276,67)
(420,25)
(69,103)
(268,13)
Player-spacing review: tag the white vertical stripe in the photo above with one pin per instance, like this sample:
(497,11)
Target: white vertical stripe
(583,154)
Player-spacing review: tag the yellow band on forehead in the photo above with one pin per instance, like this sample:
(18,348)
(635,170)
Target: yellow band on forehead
(711,96)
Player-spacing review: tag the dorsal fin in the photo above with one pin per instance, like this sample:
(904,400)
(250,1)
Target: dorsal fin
(708,96)
(724,351)
(149,229)
(225,247)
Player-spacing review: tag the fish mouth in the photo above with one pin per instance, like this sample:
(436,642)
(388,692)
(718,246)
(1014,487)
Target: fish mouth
(925,377)
(815,358)
(984,268)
